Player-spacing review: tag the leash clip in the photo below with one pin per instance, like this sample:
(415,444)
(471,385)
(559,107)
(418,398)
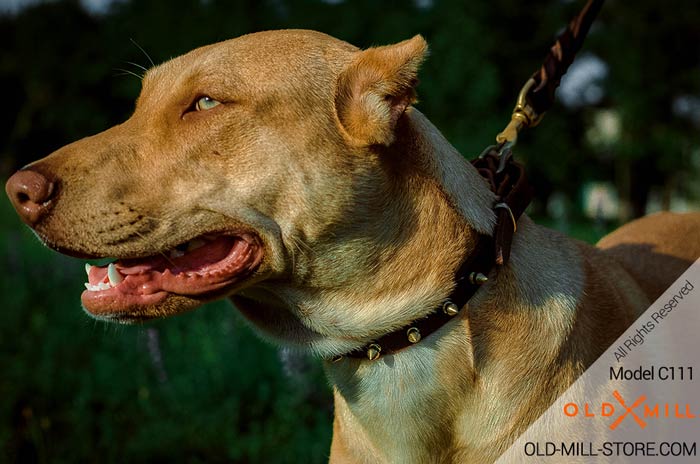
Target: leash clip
(524,115)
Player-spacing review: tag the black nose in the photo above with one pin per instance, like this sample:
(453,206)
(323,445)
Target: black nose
(31,193)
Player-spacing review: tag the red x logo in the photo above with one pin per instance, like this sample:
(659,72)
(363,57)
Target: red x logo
(628,410)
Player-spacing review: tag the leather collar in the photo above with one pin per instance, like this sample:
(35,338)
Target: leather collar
(506,178)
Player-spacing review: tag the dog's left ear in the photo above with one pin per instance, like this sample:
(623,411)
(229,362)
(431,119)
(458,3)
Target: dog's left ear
(375,90)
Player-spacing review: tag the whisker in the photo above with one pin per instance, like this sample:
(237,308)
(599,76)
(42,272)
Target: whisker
(143,68)
(293,255)
(302,246)
(144,51)
(126,71)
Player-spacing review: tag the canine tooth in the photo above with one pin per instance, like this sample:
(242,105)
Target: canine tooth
(176,253)
(88,266)
(194,244)
(114,276)
(91,288)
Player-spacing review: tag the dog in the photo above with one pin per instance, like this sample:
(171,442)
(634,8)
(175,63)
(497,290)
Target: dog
(288,171)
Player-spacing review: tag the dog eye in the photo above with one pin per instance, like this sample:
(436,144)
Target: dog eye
(205,103)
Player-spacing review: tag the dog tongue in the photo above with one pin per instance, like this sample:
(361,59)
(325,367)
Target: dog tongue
(199,260)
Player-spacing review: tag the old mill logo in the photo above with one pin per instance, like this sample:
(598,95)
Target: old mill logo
(640,411)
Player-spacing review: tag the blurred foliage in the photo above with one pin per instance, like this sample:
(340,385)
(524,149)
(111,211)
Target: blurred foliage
(200,387)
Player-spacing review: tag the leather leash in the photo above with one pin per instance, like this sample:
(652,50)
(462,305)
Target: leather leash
(506,178)
(537,95)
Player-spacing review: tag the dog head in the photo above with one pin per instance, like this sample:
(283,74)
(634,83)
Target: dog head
(261,166)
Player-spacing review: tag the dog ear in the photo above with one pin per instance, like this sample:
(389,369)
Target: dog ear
(377,87)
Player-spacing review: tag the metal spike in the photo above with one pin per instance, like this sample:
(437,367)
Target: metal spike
(374,351)
(413,335)
(477,278)
(450,308)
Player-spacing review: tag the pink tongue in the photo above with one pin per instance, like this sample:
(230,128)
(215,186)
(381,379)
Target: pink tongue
(198,260)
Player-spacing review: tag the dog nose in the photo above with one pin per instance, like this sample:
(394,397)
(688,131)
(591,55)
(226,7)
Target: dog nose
(31,193)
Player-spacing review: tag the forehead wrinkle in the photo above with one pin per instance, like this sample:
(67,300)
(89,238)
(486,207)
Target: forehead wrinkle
(186,80)
(205,73)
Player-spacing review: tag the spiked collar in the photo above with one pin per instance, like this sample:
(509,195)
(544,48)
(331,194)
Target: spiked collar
(506,178)
(472,274)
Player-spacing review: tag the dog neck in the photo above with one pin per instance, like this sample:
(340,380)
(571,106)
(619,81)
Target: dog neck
(462,186)
(478,257)
(424,400)
(395,391)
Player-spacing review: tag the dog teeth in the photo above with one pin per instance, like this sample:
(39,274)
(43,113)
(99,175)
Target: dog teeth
(98,287)
(114,276)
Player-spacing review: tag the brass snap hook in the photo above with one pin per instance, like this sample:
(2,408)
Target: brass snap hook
(524,115)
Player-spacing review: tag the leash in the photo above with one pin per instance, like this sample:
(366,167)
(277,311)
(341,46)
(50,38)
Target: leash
(506,178)
(537,95)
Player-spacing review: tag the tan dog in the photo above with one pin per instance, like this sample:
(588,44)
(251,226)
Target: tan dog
(288,171)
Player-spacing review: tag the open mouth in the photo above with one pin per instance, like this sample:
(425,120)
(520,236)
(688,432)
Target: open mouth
(200,269)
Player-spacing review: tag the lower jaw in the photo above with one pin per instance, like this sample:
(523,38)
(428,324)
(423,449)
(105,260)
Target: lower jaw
(164,305)
(142,308)
(103,306)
